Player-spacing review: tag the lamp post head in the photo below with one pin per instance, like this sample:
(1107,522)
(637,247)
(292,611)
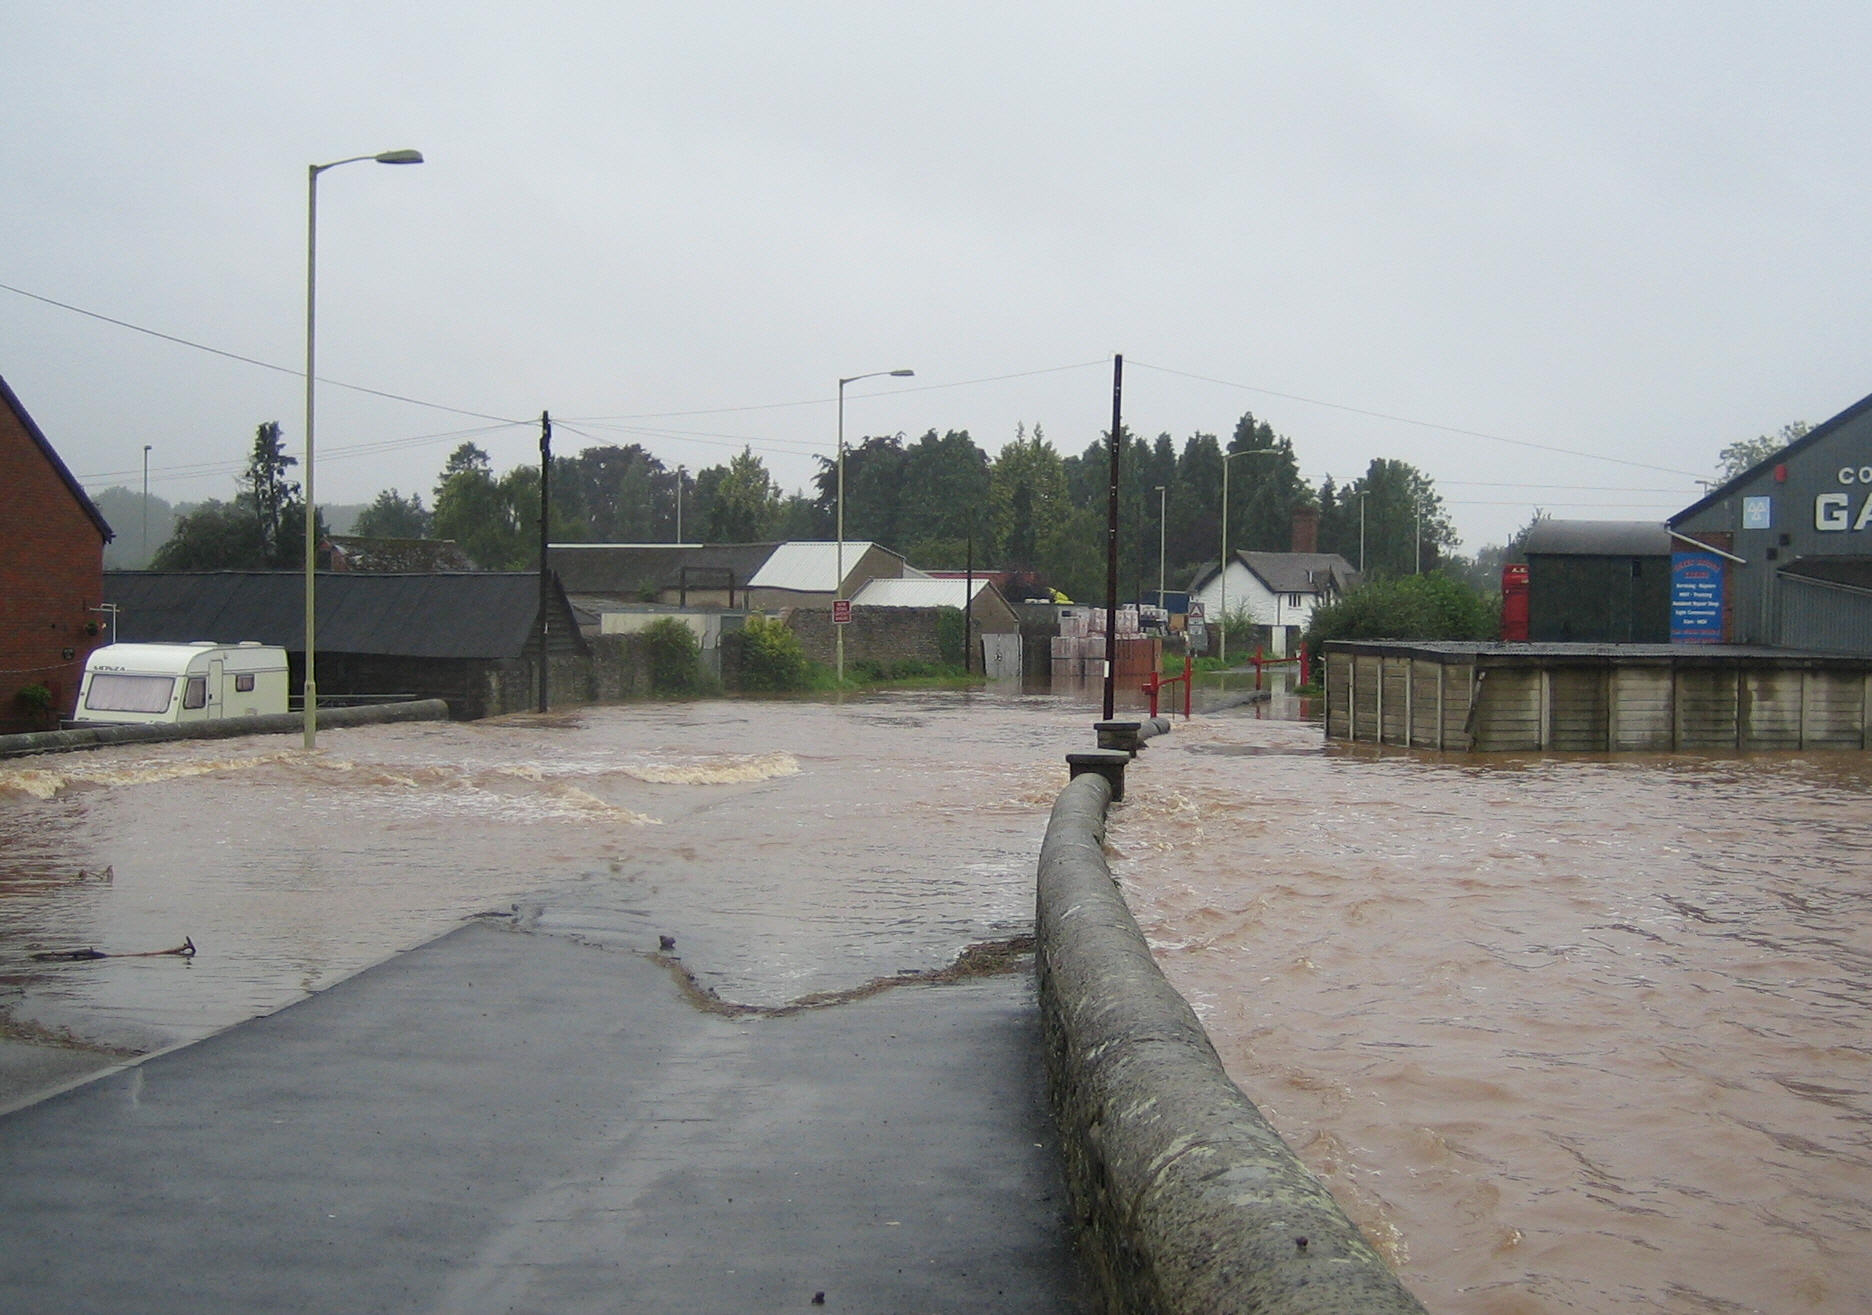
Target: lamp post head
(902,374)
(399,157)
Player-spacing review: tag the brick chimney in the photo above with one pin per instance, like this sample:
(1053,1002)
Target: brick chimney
(1306,529)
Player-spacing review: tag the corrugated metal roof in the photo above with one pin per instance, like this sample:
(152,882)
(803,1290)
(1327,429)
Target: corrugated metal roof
(919,593)
(808,567)
(480,614)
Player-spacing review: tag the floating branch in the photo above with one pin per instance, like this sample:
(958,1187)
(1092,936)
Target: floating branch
(186,950)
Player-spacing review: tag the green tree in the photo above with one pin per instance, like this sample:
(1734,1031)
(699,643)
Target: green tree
(1263,490)
(473,509)
(213,536)
(269,494)
(393,516)
(1747,453)
(1405,524)
(945,488)
(743,502)
(874,482)
(626,494)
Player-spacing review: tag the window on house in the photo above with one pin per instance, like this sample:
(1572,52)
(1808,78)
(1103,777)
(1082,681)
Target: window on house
(1296,600)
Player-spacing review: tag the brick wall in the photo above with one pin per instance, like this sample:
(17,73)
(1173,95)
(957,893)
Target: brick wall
(51,576)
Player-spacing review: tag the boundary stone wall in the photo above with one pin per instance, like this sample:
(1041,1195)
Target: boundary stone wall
(1186,1200)
(277,723)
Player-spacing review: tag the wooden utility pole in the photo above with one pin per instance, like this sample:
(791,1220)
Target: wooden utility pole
(545,583)
(1111,538)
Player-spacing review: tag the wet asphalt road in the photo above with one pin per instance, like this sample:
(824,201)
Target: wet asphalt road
(505,1121)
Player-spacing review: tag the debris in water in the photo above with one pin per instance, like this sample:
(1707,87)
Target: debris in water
(186,950)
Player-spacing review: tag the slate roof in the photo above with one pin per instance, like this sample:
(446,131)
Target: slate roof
(1292,572)
(52,459)
(483,615)
(635,568)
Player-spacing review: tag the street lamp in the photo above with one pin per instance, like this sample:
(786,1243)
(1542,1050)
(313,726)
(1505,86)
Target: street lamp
(838,585)
(1222,620)
(311,505)
(146,452)
(1163,497)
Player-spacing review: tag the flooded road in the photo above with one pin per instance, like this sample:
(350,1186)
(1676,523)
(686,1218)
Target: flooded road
(789,847)
(1563,1034)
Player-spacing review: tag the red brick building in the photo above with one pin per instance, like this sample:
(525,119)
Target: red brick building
(51,571)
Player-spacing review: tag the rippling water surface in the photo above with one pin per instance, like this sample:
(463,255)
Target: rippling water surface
(1563,1034)
(790,847)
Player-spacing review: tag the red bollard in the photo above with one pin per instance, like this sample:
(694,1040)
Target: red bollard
(1306,670)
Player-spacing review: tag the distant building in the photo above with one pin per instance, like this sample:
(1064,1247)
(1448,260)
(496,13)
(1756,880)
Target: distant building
(51,573)
(749,576)
(1598,582)
(1280,590)
(381,556)
(471,638)
(1782,554)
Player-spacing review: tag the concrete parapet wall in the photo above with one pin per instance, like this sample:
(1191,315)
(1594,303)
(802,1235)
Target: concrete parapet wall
(1187,1200)
(91,737)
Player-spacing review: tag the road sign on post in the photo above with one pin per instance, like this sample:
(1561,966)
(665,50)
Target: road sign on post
(841,611)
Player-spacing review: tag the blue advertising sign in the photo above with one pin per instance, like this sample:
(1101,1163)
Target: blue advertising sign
(1696,598)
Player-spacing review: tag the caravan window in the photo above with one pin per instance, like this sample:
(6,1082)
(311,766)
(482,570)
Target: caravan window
(243,682)
(195,694)
(115,693)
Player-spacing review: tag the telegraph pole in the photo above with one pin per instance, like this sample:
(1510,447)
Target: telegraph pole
(545,583)
(1111,538)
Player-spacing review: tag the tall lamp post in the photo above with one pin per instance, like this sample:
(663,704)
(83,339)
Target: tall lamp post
(146,452)
(1163,501)
(838,585)
(311,504)
(1222,621)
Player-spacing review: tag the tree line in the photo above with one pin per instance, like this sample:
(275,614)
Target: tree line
(935,499)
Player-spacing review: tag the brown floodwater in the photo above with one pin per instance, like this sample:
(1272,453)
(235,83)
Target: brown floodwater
(1563,1034)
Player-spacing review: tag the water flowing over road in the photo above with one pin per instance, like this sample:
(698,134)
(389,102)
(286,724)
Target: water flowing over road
(1563,1034)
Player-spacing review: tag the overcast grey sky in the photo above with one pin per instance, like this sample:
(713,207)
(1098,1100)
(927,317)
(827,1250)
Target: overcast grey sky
(1456,234)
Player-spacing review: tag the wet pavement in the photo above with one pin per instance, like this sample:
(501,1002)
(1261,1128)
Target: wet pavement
(507,1121)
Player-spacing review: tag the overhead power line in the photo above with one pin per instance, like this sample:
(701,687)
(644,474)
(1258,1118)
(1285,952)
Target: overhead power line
(1420,424)
(249,360)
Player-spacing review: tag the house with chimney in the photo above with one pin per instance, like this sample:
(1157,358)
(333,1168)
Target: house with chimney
(1279,590)
(51,575)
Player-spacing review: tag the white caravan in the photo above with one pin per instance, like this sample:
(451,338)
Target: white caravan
(177,683)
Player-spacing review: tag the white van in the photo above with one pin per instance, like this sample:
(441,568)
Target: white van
(176,683)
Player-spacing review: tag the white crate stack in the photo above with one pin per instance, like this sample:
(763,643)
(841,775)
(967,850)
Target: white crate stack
(1079,648)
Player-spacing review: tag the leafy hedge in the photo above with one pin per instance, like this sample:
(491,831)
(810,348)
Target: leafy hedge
(675,658)
(771,657)
(1434,606)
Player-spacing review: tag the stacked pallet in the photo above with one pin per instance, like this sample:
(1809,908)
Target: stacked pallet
(1079,648)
